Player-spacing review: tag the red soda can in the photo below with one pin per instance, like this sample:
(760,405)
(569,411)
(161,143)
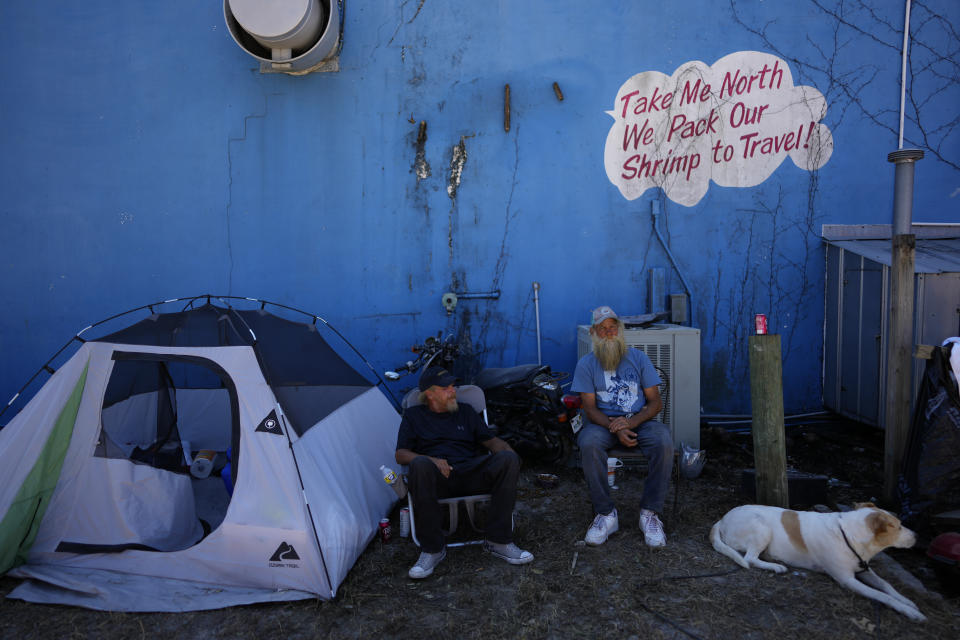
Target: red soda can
(760,321)
(385,530)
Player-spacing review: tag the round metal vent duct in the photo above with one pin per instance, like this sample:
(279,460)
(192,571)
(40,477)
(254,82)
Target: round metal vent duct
(286,36)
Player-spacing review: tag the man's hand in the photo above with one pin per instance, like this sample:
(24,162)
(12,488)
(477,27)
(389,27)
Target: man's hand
(627,437)
(443,465)
(495,444)
(618,424)
(406,456)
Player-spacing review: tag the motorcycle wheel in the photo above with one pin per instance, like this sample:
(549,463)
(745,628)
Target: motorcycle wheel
(551,448)
(558,447)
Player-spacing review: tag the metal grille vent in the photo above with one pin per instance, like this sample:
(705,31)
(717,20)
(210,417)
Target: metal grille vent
(661,355)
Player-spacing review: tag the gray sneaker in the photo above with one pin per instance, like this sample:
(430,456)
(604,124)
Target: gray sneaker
(426,563)
(509,552)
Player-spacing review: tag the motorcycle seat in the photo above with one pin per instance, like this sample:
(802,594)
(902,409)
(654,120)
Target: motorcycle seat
(490,378)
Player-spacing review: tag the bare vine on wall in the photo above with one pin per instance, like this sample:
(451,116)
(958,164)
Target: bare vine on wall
(778,247)
(933,72)
(777,256)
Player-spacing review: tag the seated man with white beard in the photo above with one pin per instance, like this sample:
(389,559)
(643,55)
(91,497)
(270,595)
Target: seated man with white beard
(438,440)
(618,387)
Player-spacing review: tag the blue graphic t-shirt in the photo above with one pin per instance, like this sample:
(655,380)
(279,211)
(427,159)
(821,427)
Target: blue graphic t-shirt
(618,392)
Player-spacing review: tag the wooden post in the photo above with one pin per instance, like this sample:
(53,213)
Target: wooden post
(899,385)
(769,440)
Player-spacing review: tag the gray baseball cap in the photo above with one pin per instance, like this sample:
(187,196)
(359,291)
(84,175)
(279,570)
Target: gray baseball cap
(602,313)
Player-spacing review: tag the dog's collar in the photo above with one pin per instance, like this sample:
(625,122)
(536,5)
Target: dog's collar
(863,566)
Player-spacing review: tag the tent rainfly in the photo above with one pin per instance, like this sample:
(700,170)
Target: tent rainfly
(97,504)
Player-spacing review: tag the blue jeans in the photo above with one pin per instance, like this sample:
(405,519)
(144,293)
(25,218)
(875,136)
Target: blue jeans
(653,439)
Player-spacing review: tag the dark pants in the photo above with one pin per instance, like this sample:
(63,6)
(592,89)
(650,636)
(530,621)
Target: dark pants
(497,475)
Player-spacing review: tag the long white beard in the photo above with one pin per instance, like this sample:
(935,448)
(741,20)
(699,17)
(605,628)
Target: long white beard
(609,351)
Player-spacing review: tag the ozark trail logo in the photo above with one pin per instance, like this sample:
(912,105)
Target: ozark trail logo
(270,424)
(283,555)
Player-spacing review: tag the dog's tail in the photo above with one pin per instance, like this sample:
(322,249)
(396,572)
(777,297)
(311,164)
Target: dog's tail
(724,548)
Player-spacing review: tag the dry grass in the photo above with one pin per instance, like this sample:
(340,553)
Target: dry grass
(619,590)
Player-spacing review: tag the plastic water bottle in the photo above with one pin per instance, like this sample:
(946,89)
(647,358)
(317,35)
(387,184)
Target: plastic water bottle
(395,481)
(202,465)
(187,457)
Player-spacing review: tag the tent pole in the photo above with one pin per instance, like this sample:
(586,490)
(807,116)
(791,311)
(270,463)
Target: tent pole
(303,492)
(191,300)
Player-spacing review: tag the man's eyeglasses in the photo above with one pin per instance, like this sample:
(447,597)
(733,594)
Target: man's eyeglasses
(602,330)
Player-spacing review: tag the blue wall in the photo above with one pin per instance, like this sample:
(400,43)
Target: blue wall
(145,157)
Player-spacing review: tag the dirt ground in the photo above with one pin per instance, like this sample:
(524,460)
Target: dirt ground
(619,590)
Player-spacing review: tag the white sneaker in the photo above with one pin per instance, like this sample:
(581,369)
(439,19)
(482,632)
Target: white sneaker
(426,563)
(601,528)
(652,529)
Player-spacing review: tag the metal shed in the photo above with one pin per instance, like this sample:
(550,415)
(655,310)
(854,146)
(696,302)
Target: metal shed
(857,287)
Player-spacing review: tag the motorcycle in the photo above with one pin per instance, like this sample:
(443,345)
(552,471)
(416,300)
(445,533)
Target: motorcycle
(525,403)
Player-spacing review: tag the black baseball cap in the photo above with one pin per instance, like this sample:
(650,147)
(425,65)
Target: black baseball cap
(436,376)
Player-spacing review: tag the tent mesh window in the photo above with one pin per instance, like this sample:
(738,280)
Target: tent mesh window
(307,376)
(154,407)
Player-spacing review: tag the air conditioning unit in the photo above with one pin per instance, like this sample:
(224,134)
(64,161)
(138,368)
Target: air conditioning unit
(675,350)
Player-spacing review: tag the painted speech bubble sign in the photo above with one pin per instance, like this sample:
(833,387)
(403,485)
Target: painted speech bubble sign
(733,122)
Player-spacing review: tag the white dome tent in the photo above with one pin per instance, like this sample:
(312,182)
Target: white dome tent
(97,505)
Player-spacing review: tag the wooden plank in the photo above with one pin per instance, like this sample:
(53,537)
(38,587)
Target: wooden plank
(899,363)
(923,351)
(769,439)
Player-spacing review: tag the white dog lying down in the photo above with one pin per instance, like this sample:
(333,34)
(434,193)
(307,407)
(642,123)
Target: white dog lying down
(838,544)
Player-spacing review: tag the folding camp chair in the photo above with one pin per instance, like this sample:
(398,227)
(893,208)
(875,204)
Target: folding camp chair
(473,396)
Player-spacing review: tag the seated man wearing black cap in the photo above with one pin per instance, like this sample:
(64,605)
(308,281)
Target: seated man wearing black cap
(437,440)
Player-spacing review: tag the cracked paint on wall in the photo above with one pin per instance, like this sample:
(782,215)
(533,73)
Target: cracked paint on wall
(420,165)
(458,159)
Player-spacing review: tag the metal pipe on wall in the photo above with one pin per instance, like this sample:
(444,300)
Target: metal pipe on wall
(479,295)
(536,306)
(905,160)
(655,214)
(903,68)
